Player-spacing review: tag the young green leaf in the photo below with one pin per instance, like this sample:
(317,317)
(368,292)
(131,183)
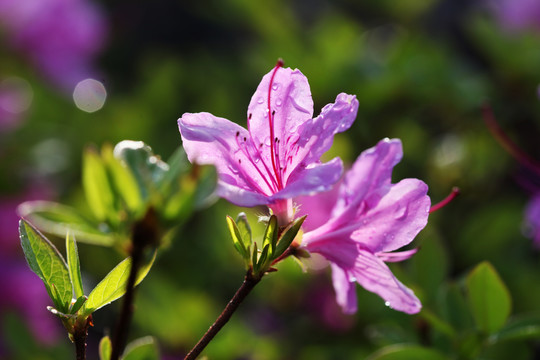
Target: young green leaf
(288,236)
(264,259)
(524,327)
(123,180)
(47,263)
(97,187)
(244,229)
(489,299)
(254,257)
(147,169)
(142,349)
(77,304)
(74,266)
(271,235)
(105,348)
(113,286)
(236,237)
(58,219)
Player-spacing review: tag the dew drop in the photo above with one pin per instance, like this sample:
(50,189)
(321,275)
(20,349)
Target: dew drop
(234,170)
(278,102)
(260,100)
(275,87)
(400,212)
(387,303)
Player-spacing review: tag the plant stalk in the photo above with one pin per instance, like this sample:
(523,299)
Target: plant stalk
(249,283)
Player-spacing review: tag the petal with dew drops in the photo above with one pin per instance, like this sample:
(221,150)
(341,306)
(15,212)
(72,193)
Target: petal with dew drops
(345,290)
(373,274)
(397,217)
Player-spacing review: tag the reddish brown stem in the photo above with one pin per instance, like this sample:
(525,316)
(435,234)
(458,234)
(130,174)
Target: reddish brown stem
(246,287)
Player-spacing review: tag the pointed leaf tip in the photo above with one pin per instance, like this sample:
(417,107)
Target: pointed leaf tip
(47,263)
(489,298)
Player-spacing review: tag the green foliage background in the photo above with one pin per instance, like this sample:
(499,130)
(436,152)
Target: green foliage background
(421,70)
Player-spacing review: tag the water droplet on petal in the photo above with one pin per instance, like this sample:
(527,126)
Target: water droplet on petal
(278,102)
(387,303)
(401,212)
(260,100)
(275,87)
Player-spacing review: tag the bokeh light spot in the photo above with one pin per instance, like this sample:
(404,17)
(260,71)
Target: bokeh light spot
(89,95)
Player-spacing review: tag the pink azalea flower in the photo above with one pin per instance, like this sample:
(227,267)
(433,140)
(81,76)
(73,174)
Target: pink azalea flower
(370,219)
(532,219)
(60,37)
(278,156)
(517,15)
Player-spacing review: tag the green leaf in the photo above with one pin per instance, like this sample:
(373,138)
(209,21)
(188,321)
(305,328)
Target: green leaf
(97,187)
(74,267)
(206,185)
(437,323)
(124,181)
(526,327)
(288,236)
(105,348)
(142,349)
(489,299)
(47,263)
(254,257)
(178,166)
(147,169)
(58,219)
(406,352)
(179,203)
(245,230)
(113,286)
(264,259)
(237,238)
(270,236)
(78,304)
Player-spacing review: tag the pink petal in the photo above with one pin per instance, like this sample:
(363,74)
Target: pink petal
(290,98)
(532,218)
(315,178)
(345,290)
(208,139)
(396,219)
(315,136)
(371,171)
(373,274)
(396,256)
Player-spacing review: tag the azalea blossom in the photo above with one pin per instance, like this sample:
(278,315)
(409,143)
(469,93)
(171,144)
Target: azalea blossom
(532,219)
(517,15)
(371,218)
(278,156)
(60,37)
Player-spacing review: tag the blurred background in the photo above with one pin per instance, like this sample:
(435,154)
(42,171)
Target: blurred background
(79,72)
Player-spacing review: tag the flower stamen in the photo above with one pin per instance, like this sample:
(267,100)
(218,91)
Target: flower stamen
(455,192)
(521,156)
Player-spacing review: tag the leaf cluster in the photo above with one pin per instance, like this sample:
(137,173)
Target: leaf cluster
(120,186)
(63,279)
(274,243)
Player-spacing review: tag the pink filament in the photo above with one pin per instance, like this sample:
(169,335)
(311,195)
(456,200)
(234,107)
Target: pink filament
(455,192)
